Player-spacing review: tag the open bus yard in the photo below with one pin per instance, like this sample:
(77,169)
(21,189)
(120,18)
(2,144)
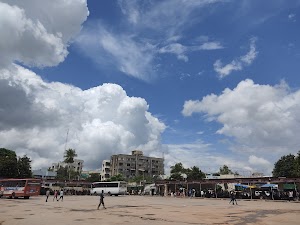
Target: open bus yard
(141,210)
(204,188)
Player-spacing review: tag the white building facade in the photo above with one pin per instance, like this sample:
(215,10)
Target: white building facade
(76,165)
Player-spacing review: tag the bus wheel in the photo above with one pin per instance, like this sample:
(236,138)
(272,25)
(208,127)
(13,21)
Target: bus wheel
(26,197)
(13,195)
(95,193)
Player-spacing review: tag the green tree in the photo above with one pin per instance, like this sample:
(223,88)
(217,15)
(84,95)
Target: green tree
(177,171)
(136,179)
(8,163)
(62,173)
(297,159)
(24,167)
(74,175)
(69,156)
(286,166)
(94,177)
(142,178)
(156,178)
(225,170)
(194,173)
(118,177)
(236,173)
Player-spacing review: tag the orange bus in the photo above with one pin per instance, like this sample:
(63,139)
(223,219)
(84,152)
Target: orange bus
(14,188)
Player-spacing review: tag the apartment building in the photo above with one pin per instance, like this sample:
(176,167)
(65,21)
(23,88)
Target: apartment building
(76,165)
(136,164)
(105,171)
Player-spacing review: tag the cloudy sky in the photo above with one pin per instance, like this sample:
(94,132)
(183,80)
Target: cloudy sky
(202,82)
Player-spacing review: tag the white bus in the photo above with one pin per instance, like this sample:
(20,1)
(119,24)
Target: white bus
(112,188)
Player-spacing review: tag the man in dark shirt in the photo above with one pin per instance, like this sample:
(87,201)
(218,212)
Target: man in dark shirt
(101,200)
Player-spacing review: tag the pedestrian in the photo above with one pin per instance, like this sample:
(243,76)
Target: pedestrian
(61,195)
(47,195)
(202,193)
(291,195)
(233,197)
(55,195)
(101,200)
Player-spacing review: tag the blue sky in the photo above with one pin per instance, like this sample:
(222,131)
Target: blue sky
(205,83)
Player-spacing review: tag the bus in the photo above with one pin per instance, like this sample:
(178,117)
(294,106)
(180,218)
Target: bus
(111,188)
(14,188)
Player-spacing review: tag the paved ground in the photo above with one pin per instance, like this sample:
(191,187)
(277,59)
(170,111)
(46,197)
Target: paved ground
(140,210)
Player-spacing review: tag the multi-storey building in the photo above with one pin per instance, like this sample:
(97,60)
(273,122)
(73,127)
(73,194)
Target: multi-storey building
(136,164)
(76,165)
(105,171)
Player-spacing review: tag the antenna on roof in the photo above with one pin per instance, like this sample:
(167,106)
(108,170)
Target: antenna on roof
(66,139)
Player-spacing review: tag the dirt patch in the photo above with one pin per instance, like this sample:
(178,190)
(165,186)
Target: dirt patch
(255,216)
(82,210)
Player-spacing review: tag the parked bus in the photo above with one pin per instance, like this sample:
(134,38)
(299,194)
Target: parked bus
(14,188)
(112,188)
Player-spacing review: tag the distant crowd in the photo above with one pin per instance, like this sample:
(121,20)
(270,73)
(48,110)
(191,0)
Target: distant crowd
(291,195)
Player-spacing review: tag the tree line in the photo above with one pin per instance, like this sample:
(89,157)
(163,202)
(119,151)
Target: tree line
(179,172)
(12,166)
(287,166)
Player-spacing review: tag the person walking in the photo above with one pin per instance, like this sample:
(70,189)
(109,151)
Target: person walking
(101,200)
(291,196)
(55,195)
(61,195)
(233,197)
(47,195)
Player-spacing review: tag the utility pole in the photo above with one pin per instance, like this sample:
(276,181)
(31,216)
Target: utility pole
(65,151)
(66,139)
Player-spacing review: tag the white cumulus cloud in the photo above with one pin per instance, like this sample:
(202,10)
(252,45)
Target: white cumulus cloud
(36,33)
(254,160)
(35,117)
(261,119)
